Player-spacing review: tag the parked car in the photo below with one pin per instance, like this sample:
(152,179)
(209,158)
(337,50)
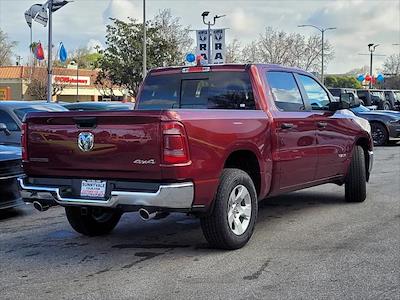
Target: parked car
(337,92)
(393,97)
(12,114)
(10,170)
(373,97)
(210,141)
(385,124)
(96,106)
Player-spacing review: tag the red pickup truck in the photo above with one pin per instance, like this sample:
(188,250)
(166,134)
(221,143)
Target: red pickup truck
(210,141)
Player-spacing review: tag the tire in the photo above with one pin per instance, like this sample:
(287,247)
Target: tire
(385,105)
(356,183)
(221,228)
(94,222)
(380,134)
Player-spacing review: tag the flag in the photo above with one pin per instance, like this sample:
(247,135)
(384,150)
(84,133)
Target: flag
(63,52)
(57,4)
(39,53)
(28,18)
(38,13)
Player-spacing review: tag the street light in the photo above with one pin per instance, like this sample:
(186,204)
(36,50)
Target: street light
(209,24)
(144,41)
(322,30)
(371,49)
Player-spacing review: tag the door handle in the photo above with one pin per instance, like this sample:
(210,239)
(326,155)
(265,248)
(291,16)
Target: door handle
(286,125)
(322,124)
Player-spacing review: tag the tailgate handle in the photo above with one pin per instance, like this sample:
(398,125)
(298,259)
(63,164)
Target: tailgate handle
(86,122)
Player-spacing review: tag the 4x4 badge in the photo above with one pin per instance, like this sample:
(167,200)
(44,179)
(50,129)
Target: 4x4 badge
(85,141)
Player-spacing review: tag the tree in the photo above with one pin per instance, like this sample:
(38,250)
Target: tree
(37,86)
(392,65)
(85,57)
(6,49)
(121,63)
(289,49)
(342,82)
(233,52)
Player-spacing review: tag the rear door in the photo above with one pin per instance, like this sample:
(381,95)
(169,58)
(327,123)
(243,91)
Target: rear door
(296,158)
(333,129)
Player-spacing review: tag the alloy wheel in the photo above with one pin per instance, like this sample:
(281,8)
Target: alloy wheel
(239,209)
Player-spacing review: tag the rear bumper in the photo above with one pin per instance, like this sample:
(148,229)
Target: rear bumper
(168,196)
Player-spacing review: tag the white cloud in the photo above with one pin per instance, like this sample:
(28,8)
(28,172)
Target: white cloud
(122,9)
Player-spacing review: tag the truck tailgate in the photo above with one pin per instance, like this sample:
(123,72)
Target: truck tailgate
(126,145)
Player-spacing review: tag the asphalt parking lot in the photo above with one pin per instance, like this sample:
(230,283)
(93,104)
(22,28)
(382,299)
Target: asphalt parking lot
(308,244)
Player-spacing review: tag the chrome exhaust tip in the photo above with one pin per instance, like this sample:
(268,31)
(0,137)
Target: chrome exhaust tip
(146,215)
(39,206)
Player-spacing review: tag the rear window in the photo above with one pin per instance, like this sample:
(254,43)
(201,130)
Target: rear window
(213,90)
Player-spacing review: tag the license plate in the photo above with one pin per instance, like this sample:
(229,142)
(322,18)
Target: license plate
(93,188)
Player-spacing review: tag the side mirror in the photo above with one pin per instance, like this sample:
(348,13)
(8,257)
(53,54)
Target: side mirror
(3,127)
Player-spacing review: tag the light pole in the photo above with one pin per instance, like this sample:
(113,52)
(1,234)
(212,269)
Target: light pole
(371,49)
(50,54)
(209,24)
(322,30)
(144,41)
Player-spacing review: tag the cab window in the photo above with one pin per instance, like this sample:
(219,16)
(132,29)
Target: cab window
(285,91)
(317,96)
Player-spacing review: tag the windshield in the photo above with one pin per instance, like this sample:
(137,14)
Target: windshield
(21,112)
(213,90)
(360,109)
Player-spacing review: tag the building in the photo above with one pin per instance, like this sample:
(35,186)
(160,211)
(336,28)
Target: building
(69,84)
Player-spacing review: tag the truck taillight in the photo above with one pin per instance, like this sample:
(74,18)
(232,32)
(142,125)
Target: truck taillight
(175,145)
(24,142)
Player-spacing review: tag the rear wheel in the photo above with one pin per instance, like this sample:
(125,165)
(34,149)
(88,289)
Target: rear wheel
(386,105)
(379,134)
(92,221)
(232,221)
(356,183)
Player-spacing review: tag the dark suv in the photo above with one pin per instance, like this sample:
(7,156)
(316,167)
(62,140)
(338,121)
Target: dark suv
(374,97)
(393,97)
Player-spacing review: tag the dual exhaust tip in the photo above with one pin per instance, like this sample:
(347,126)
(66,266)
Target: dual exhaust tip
(152,214)
(40,206)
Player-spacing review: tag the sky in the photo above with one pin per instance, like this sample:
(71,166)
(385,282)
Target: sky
(359,22)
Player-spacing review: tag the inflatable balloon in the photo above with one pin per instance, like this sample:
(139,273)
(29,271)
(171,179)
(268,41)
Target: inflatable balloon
(368,78)
(380,78)
(360,77)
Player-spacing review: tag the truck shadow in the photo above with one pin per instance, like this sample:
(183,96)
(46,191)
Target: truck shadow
(146,240)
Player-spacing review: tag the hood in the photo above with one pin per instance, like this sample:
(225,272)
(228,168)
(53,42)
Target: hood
(9,153)
(384,113)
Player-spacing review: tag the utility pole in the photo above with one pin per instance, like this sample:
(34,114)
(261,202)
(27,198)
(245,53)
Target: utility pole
(322,30)
(144,41)
(209,24)
(50,54)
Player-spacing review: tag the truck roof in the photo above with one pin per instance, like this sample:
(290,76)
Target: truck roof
(226,67)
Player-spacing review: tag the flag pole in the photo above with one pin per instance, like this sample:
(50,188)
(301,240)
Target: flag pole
(50,54)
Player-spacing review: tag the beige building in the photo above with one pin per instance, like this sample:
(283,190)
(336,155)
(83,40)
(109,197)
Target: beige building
(70,85)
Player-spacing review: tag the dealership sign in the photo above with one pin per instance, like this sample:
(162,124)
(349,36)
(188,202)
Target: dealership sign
(218,47)
(71,80)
